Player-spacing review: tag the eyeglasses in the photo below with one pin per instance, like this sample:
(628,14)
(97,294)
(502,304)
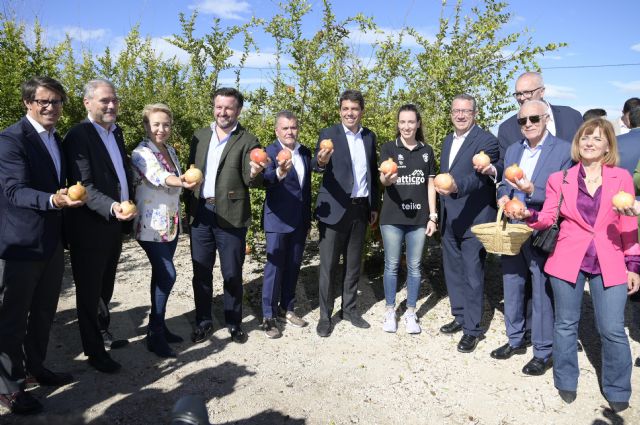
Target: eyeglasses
(534,119)
(461,111)
(526,93)
(43,103)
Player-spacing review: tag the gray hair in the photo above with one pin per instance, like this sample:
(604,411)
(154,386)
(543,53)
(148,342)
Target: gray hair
(92,85)
(536,102)
(465,96)
(285,114)
(532,74)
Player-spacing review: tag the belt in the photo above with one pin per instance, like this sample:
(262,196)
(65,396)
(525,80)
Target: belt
(360,201)
(210,201)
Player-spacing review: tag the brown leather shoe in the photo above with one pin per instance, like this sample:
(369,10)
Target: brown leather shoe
(270,328)
(292,319)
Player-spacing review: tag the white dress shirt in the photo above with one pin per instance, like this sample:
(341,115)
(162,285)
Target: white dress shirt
(298,163)
(456,144)
(110,143)
(358,163)
(551,124)
(216,146)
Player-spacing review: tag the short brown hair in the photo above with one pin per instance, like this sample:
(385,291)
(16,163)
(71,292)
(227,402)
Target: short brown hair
(155,107)
(606,130)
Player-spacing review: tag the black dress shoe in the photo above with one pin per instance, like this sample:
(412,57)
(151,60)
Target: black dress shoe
(451,328)
(526,338)
(537,367)
(637,362)
(110,343)
(171,337)
(157,343)
(618,406)
(323,328)
(48,378)
(238,335)
(202,332)
(468,343)
(104,363)
(356,320)
(21,403)
(506,351)
(567,396)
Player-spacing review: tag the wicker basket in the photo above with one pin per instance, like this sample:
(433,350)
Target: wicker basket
(502,237)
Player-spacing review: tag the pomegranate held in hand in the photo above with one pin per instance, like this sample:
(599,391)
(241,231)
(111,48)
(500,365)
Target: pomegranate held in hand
(481,159)
(258,155)
(513,173)
(76,192)
(284,155)
(193,175)
(623,199)
(388,167)
(128,207)
(326,144)
(443,181)
(514,206)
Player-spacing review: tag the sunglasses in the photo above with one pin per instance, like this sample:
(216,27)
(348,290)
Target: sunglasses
(534,119)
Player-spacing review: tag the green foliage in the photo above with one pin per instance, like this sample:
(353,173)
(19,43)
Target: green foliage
(470,53)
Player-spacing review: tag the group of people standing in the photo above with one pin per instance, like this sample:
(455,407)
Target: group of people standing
(38,217)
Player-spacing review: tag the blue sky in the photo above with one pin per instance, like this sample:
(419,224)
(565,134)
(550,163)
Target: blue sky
(605,34)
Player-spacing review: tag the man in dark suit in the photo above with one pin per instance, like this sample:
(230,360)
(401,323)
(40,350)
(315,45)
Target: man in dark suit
(563,121)
(629,143)
(287,218)
(470,201)
(96,156)
(32,173)
(539,155)
(347,201)
(219,211)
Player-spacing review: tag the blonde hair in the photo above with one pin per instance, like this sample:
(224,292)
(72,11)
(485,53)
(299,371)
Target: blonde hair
(156,107)
(606,131)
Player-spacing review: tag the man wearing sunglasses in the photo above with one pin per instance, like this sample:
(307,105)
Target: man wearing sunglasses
(32,196)
(539,155)
(562,121)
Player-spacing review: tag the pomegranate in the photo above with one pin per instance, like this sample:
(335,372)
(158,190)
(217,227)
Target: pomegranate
(283,155)
(128,207)
(193,175)
(623,199)
(514,206)
(481,159)
(513,173)
(326,144)
(388,167)
(77,192)
(258,155)
(443,181)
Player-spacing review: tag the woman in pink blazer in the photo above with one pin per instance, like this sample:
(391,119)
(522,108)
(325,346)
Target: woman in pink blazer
(596,245)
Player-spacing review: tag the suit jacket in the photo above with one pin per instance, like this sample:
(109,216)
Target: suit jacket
(613,234)
(567,121)
(287,205)
(89,162)
(629,150)
(475,201)
(555,156)
(233,207)
(334,194)
(30,228)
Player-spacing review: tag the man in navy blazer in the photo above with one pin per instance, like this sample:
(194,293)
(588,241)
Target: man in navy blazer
(32,196)
(347,201)
(539,154)
(563,121)
(629,143)
(470,201)
(96,156)
(286,222)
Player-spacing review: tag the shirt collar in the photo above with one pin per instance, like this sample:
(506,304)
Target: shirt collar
(101,128)
(295,148)
(525,142)
(214,126)
(464,136)
(347,131)
(39,128)
(399,144)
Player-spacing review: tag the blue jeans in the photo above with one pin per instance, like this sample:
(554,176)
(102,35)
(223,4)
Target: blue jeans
(163,276)
(392,237)
(608,304)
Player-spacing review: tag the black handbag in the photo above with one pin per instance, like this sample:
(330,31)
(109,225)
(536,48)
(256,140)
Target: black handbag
(546,239)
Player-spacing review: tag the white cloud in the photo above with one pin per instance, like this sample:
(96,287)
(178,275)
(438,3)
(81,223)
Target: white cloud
(83,34)
(636,47)
(227,9)
(627,86)
(559,92)
(357,36)
(161,46)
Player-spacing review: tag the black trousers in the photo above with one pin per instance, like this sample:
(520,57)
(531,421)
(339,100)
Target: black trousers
(29,292)
(94,262)
(345,238)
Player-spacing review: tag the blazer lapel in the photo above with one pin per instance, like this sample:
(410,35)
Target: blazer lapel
(235,136)
(202,147)
(446,151)
(34,138)
(570,194)
(468,141)
(547,148)
(63,168)
(97,141)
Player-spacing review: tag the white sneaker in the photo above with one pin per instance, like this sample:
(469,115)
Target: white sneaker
(411,322)
(390,324)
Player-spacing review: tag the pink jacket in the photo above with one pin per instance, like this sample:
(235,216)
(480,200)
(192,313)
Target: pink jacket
(614,235)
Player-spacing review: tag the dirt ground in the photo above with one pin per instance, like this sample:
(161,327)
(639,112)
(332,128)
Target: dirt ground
(353,377)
